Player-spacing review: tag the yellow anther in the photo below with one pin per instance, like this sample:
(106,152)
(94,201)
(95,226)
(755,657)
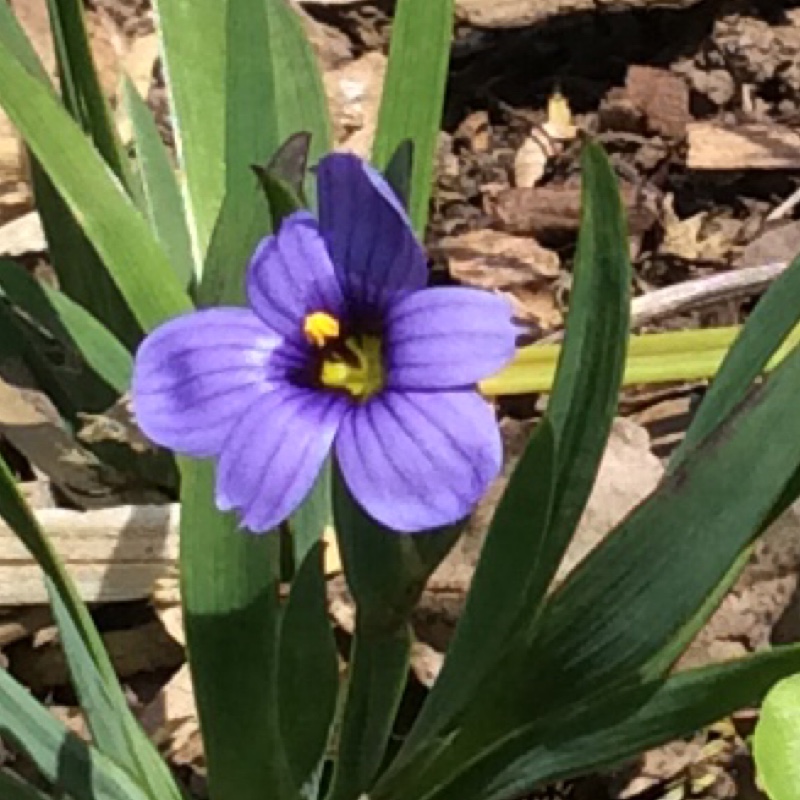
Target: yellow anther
(320,327)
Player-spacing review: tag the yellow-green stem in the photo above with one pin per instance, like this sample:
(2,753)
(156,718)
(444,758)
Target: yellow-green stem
(652,358)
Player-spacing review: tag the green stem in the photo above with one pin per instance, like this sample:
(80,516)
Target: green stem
(652,358)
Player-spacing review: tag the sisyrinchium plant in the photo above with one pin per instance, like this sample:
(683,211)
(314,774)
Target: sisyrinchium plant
(278,333)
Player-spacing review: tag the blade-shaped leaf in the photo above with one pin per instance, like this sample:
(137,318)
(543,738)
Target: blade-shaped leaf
(111,222)
(81,274)
(193,39)
(308,671)
(309,523)
(19,341)
(400,169)
(623,605)
(589,372)
(12,35)
(773,319)
(617,726)
(230,601)
(386,573)
(498,593)
(579,418)
(264,91)
(62,758)
(115,734)
(273,93)
(14,788)
(776,744)
(378,672)
(161,192)
(80,271)
(242,78)
(115,730)
(78,332)
(413,94)
(80,84)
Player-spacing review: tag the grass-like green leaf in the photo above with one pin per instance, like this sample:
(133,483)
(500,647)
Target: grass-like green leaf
(82,276)
(80,84)
(378,671)
(413,94)
(62,758)
(546,496)
(114,728)
(241,78)
(193,35)
(308,670)
(108,217)
(308,524)
(79,333)
(14,788)
(623,605)
(590,368)
(230,600)
(273,92)
(386,573)
(81,273)
(498,594)
(399,171)
(617,726)
(776,744)
(12,35)
(773,319)
(18,340)
(161,192)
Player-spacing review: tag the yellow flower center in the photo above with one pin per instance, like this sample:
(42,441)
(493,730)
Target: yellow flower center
(354,364)
(361,379)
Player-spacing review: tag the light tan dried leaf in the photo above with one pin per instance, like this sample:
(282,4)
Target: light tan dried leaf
(171,617)
(22,235)
(559,123)
(19,624)
(693,238)
(496,260)
(537,306)
(171,720)
(73,719)
(354,93)
(531,160)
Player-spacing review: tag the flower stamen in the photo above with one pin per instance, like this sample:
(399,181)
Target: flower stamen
(320,328)
(362,375)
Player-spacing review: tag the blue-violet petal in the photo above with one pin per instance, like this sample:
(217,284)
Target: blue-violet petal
(370,239)
(419,460)
(445,338)
(197,374)
(275,452)
(291,276)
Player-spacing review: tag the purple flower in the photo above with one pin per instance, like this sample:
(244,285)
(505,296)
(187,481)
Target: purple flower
(340,349)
